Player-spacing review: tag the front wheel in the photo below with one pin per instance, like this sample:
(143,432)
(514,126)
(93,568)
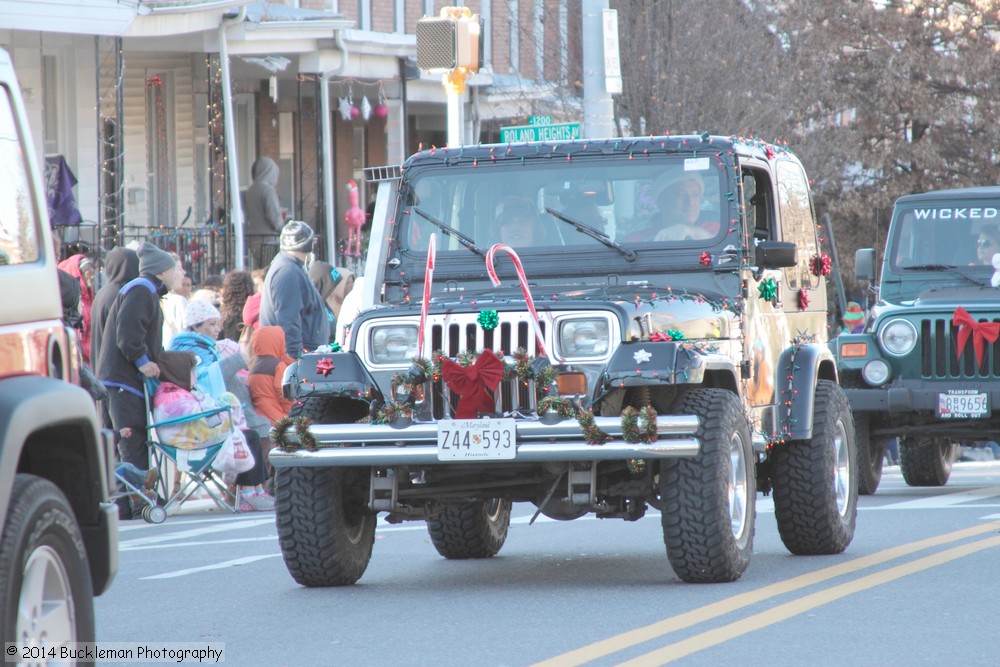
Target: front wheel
(815,493)
(708,501)
(471,530)
(325,529)
(45,582)
(926,461)
(871,455)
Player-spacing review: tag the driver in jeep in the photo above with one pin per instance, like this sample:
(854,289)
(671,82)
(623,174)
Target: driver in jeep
(678,196)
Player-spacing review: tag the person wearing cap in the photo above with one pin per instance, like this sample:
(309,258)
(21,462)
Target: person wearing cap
(289,299)
(131,342)
(678,196)
(333,284)
(854,318)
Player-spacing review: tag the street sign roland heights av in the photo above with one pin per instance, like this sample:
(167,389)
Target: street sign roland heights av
(541,129)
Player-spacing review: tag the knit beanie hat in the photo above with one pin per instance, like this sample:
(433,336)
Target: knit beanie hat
(153,261)
(854,312)
(296,235)
(324,277)
(197,311)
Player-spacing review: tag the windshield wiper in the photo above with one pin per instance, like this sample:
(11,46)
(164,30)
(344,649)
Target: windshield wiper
(975,280)
(451,231)
(595,234)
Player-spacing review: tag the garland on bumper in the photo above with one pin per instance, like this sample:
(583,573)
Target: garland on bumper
(637,426)
(303,438)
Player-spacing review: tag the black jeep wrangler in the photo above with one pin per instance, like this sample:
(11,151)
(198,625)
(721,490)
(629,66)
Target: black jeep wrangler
(589,327)
(926,367)
(59,542)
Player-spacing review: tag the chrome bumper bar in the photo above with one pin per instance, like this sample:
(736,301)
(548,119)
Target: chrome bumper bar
(383,445)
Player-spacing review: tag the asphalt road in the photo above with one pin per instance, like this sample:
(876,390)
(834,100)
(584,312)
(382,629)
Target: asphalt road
(919,585)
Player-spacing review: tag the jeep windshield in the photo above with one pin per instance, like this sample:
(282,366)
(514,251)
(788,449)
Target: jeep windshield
(951,237)
(610,205)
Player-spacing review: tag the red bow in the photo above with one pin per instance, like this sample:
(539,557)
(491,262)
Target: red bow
(981,332)
(474,384)
(324,366)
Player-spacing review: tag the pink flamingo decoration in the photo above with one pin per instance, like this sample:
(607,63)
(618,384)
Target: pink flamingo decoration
(355,219)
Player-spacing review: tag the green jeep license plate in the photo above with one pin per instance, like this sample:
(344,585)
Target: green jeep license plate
(963,404)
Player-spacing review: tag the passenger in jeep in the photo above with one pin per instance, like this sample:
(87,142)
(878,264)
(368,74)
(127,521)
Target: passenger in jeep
(988,244)
(678,196)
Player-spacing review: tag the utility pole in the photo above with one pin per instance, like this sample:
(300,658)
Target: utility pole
(601,68)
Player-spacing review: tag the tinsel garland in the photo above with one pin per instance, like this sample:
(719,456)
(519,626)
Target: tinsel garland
(557,404)
(304,439)
(390,412)
(591,433)
(633,432)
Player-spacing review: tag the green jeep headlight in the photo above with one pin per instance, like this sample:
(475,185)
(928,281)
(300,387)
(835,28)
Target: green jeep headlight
(898,337)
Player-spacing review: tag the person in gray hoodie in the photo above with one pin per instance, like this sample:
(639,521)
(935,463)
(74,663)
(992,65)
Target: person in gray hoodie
(120,266)
(262,201)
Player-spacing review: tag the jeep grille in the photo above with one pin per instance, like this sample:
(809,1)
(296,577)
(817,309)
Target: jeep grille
(939,358)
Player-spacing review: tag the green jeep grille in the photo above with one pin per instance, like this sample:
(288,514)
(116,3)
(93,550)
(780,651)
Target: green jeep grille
(939,358)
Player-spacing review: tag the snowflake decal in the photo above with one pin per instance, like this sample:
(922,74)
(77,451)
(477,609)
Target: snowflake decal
(642,356)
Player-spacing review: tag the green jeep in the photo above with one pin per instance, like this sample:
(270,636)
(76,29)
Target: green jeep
(925,368)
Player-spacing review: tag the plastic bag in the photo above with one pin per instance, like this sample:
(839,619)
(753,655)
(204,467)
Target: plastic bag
(235,456)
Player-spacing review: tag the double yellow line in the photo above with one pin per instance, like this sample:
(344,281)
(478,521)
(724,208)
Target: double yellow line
(707,639)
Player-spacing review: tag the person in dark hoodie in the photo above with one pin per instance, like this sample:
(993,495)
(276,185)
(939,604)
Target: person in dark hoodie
(263,204)
(132,339)
(120,266)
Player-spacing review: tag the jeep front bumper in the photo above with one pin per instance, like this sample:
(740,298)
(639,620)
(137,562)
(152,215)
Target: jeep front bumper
(383,445)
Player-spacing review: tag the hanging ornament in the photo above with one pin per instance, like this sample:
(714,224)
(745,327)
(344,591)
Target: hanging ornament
(820,265)
(803,299)
(344,107)
(768,290)
(381,110)
(366,109)
(355,112)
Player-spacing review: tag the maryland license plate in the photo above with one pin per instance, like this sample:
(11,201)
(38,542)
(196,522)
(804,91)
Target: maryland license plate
(476,439)
(963,404)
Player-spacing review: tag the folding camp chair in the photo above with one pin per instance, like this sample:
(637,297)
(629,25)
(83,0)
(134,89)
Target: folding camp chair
(194,466)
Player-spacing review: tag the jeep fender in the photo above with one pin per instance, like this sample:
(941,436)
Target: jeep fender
(798,369)
(50,428)
(335,375)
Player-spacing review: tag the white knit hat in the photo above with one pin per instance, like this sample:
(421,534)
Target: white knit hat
(197,311)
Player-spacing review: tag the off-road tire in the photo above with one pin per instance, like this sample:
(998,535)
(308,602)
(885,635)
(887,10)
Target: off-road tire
(871,455)
(926,461)
(325,529)
(815,493)
(708,504)
(316,408)
(44,572)
(471,530)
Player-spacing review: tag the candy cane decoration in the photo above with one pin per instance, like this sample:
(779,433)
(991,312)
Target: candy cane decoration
(524,286)
(425,302)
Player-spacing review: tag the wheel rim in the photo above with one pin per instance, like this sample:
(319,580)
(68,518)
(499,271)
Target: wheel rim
(45,610)
(842,471)
(738,500)
(494,508)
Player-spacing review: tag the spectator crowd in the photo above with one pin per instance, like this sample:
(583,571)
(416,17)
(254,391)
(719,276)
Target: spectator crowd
(155,346)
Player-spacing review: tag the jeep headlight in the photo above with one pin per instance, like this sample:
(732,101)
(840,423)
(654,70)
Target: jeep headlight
(393,344)
(898,337)
(584,337)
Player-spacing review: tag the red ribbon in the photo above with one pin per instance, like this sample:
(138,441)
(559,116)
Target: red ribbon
(474,384)
(981,332)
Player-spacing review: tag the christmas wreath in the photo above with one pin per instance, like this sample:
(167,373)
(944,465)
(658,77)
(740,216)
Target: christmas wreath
(303,438)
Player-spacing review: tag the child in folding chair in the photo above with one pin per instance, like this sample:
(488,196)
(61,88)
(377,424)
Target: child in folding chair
(176,396)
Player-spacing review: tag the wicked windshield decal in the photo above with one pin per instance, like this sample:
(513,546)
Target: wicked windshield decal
(957,213)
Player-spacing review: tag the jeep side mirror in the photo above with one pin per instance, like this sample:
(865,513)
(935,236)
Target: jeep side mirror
(864,264)
(775,254)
